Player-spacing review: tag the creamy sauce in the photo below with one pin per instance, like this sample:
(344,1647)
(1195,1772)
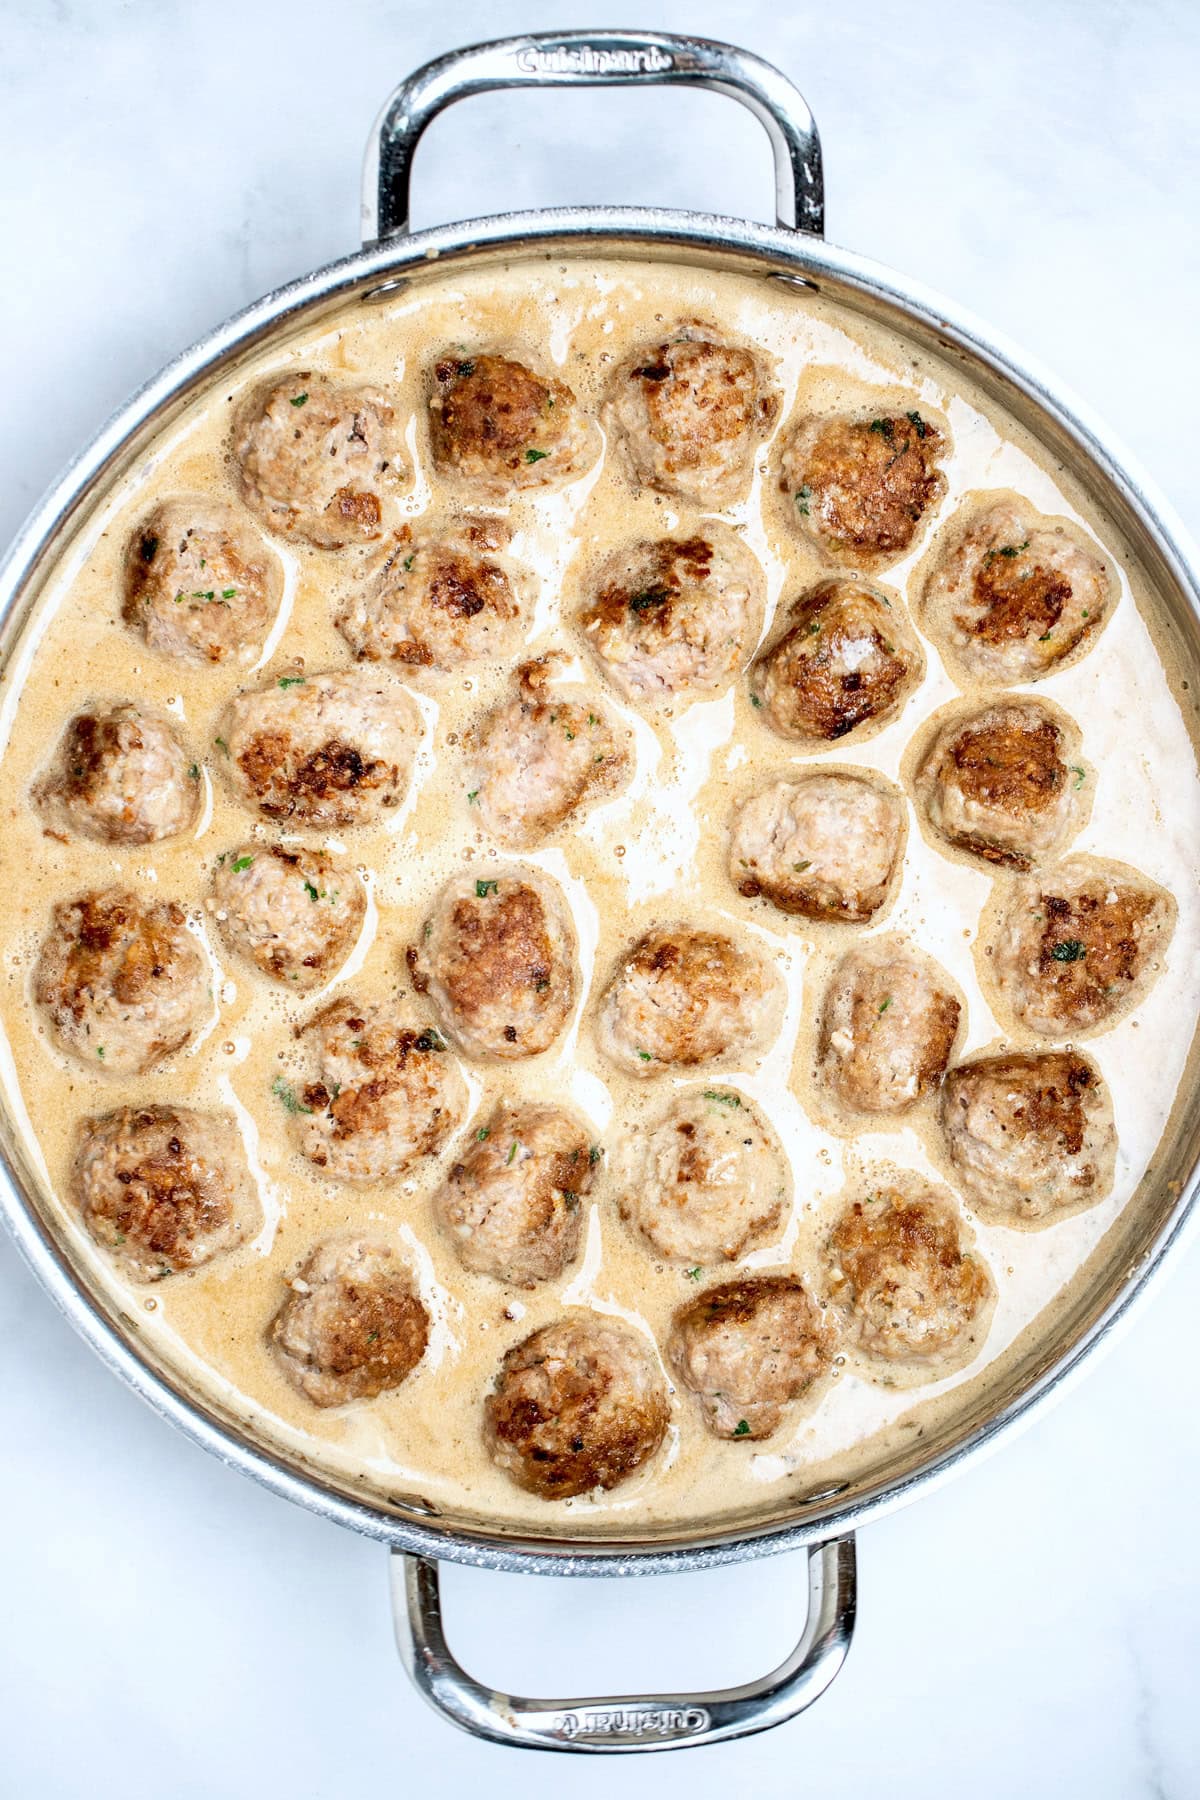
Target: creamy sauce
(655,852)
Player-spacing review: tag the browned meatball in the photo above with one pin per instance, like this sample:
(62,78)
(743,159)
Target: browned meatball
(888,1027)
(825,845)
(1078,946)
(861,488)
(511,1206)
(440,599)
(749,1349)
(681,997)
(690,413)
(580,1404)
(497,958)
(1030,1134)
(316,458)
(200,583)
(503,427)
(294,913)
(163,1188)
(1005,783)
(845,661)
(120,775)
(353,1325)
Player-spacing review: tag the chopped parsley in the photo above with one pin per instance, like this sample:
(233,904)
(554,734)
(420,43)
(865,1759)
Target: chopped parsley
(473,796)
(311,891)
(1071,950)
(802,500)
(430,1040)
(721,1099)
(484,888)
(532,456)
(299,399)
(287,681)
(1008,550)
(694,1274)
(918,424)
(885,428)
(464,369)
(594,1154)
(885,1003)
(285,1092)
(754,700)
(645,1056)
(221,745)
(194,772)
(240,863)
(100,1052)
(742,1428)
(409,561)
(800,867)
(482,1133)
(371,1336)
(228,593)
(650,597)
(513,1148)
(1079,774)
(203,594)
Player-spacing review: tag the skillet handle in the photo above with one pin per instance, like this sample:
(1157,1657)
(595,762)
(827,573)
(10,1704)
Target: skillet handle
(594,59)
(626,1721)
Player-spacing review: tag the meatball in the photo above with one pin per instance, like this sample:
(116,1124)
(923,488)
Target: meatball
(1005,783)
(749,1349)
(888,1027)
(315,459)
(497,959)
(1013,596)
(501,427)
(122,981)
(707,1180)
(163,1188)
(540,759)
(378,1094)
(200,583)
(511,1206)
(120,775)
(682,997)
(580,1404)
(353,1325)
(1078,946)
(675,616)
(1030,1134)
(860,488)
(294,913)
(321,750)
(823,845)
(846,661)
(903,1278)
(439,600)
(690,414)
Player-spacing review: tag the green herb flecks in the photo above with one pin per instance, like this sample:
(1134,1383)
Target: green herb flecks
(1080,775)
(482,1133)
(299,399)
(287,681)
(885,1003)
(694,1274)
(639,603)
(312,892)
(286,1094)
(722,1099)
(532,456)
(512,1153)
(240,863)
(918,424)
(802,500)
(645,1056)
(1071,950)
(484,888)
(742,1428)
(885,428)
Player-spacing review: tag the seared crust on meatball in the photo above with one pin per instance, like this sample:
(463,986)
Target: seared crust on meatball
(163,1188)
(824,845)
(749,1349)
(1013,595)
(315,459)
(1005,782)
(378,1093)
(353,1325)
(683,997)
(121,776)
(321,750)
(1030,1134)
(705,1181)
(690,413)
(861,488)
(502,427)
(498,960)
(905,1281)
(540,759)
(294,913)
(580,1404)
(512,1205)
(200,583)
(122,981)
(439,599)
(888,1027)
(1079,945)
(675,616)
(846,661)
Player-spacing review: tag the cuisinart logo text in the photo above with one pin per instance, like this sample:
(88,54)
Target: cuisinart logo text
(633,1722)
(588,61)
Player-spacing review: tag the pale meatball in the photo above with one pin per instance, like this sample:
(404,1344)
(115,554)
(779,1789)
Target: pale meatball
(682,997)
(498,960)
(580,1404)
(823,845)
(690,413)
(120,775)
(377,1095)
(861,488)
(1078,946)
(353,1325)
(750,1349)
(888,1027)
(1030,1134)
(1013,596)
(316,458)
(541,759)
(905,1281)
(706,1181)
(199,582)
(512,1205)
(163,1188)
(321,750)
(501,427)
(1005,783)
(294,913)
(441,599)
(122,981)
(846,661)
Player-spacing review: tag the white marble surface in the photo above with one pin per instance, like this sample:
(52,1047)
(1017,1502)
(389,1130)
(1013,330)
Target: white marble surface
(168,1628)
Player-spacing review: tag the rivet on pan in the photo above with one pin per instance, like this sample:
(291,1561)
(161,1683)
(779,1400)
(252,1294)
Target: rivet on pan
(793,280)
(385,290)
